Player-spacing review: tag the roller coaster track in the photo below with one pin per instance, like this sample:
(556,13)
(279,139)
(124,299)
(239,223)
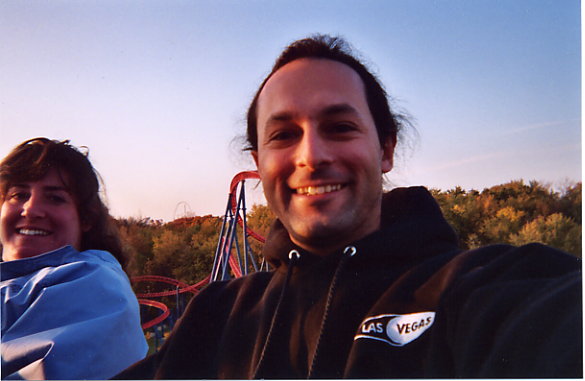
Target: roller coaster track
(194,288)
(238,179)
(239,263)
(159,319)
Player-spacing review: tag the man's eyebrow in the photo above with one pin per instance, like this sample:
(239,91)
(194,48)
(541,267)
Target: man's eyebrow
(280,117)
(341,108)
(331,110)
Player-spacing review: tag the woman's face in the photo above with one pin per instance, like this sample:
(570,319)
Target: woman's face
(37,217)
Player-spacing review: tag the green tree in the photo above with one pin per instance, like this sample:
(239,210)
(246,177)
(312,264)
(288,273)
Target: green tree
(136,235)
(571,203)
(498,228)
(260,219)
(170,250)
(555,230)
(501,211)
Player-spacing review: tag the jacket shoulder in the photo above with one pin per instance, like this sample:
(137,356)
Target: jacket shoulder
(512,312)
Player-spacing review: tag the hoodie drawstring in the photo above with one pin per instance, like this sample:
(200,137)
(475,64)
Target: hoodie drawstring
(348,252)
(293,256)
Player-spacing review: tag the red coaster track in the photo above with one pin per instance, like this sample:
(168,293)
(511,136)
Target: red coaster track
(184,287)
(240,177)
(144,298)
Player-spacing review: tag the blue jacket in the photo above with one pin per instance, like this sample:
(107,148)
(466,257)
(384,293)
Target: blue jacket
(68,315)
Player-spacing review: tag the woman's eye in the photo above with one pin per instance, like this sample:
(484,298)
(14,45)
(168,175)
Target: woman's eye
(18,196)
(57,199)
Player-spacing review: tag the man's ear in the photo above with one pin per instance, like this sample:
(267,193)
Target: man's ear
(388,155)
(255,157)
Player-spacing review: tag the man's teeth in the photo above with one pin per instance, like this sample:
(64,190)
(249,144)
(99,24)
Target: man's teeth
(32,232)
(311,191)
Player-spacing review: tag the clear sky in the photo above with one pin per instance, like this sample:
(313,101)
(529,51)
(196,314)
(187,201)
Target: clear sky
(159,89)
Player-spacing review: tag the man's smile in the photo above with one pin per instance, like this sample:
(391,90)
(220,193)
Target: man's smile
(317,190)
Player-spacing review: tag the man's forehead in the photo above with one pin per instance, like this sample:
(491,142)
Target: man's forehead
(312,69)
(320,82)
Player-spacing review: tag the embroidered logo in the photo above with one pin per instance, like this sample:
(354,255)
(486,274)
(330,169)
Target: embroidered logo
(396,330)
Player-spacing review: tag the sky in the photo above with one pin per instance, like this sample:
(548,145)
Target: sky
(158,90)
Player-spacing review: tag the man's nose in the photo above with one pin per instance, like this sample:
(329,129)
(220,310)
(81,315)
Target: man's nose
(33,207)
(313,150)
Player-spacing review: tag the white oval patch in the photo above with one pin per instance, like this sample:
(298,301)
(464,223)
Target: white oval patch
(396,330)
(402,329)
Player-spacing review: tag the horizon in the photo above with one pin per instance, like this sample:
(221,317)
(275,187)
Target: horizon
(159,91)
(189,214)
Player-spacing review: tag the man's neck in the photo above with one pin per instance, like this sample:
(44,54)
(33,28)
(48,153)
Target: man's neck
(325,247)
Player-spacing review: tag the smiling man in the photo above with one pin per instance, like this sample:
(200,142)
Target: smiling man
(365,284)
(319,155)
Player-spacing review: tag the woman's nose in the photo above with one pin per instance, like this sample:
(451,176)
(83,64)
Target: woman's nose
(33,207)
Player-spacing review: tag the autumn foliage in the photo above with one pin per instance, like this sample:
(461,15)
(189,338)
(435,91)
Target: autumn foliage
(515,213)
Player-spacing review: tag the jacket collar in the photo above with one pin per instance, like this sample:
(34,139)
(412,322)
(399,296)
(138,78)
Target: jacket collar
(412,226)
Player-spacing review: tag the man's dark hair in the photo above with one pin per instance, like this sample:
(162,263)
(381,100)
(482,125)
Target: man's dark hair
(388,124)
(34,158)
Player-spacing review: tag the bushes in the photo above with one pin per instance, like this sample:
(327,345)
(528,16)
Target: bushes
(513,213)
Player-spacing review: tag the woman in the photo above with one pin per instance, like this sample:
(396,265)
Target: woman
(68,311)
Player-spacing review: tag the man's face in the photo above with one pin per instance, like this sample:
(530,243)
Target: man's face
(319,156)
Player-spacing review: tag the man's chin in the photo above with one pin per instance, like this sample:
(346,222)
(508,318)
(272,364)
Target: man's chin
(320,236)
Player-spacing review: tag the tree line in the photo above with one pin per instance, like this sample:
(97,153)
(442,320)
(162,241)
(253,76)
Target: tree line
(514,213)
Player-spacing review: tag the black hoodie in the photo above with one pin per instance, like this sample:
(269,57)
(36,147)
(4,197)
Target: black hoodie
(403,302)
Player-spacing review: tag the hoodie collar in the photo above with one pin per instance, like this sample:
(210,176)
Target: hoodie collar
(412,225)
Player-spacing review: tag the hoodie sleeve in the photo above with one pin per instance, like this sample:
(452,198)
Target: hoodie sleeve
(520,315)
(77,321)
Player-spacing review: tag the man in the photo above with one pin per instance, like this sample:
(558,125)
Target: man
(366,284)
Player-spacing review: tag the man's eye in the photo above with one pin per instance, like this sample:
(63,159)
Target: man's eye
(283,136)
(342,127)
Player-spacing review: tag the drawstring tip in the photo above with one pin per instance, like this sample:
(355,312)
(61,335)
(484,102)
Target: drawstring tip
(293,255)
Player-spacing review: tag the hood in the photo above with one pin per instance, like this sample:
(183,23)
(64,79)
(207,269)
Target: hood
(412,225)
